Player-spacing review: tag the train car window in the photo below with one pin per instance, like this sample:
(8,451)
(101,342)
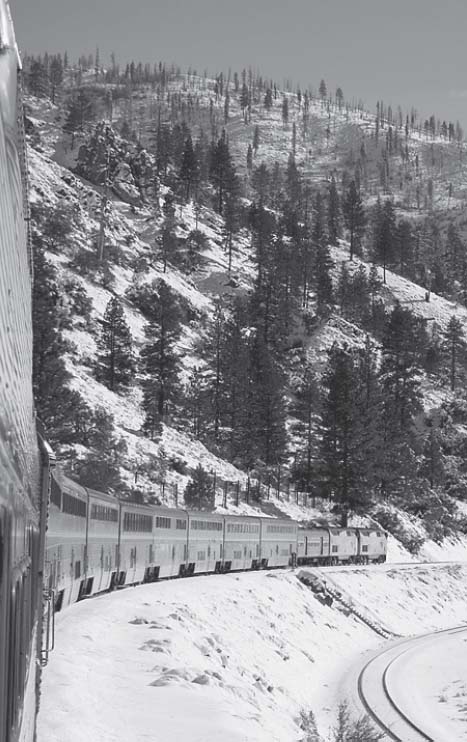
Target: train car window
(137,522)
(55,493)
(73,506)
(206,525)
(163,522)
(102,512)
(335,548)
(180,524)
(365,547)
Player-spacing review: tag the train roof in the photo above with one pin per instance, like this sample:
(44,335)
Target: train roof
(68,486)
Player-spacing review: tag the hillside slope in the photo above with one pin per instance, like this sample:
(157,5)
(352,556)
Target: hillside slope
(133,226)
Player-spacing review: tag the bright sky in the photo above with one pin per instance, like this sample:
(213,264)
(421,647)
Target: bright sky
(408,52)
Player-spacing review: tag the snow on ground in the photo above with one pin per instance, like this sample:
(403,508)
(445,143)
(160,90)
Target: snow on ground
(429,685)
(232,657)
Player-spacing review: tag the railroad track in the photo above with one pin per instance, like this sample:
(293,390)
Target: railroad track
(375,694)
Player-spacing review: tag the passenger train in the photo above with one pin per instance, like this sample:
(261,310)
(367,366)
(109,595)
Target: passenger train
(60,542)
(96,542)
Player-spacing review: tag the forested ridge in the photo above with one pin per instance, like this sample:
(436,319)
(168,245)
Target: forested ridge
(232,261)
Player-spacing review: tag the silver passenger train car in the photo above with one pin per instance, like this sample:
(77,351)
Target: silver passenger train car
(23,469)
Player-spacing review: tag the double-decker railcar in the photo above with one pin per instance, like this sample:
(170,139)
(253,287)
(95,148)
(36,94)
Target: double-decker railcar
(101,542)
(242,543)
(135,550)
(205,543)
(170,543)
(278,541)
(65,554)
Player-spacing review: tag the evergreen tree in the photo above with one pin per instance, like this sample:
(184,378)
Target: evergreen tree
(354,217)
(267,437)
(167,241)
(384,235)
(56,76)
(256,139)
(285,110)
(323,263)
(160,359)
(189,169)
(115,360)
(268,102)
(401,396)
(454,347)
(222,172)
(38,79)
(333,213)
(323,90)
(348,423)
(339,98)
(199,492)
(305,408)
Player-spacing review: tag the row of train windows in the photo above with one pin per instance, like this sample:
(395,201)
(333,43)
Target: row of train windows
(205,525)
(102,512)
(242,528)
(137,522)
(280,529)
(73,506)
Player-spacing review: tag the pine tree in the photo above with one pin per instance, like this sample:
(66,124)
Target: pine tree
(189,169)
(267,438)
(222,172)
(285,110)
(38,79)
(268,102)
(333,213)
(323,262)
(58,407)
(384,235)
(56,76)
(354,217)
(323,90)
(336,427)
(115,361)
(305,408)
(339,98)
(401,397)
(454,346)
(167,242)
(160,359)
(199,492)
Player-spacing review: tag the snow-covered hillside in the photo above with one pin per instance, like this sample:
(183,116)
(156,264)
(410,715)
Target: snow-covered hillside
(335,134)
(235,657)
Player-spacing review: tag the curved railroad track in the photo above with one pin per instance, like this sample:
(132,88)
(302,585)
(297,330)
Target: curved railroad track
(378,700)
